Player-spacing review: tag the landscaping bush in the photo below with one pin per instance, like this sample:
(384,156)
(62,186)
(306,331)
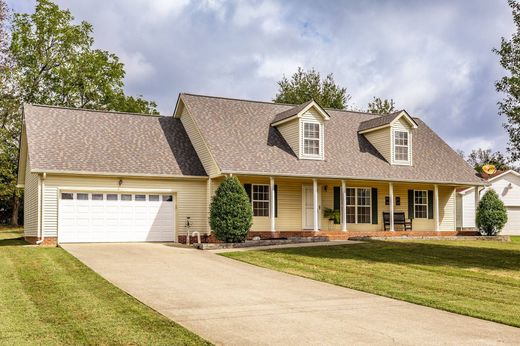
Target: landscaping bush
(231,214)
(491,214)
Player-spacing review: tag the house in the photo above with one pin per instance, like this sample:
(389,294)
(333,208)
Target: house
(507,186)
(96,176)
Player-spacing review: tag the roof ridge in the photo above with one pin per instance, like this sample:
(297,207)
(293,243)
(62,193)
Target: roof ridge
(272,103)
(95,110)
(238,99)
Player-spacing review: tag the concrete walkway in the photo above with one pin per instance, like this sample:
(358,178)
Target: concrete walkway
(232,303)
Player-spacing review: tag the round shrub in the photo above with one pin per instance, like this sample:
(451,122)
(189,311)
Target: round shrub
(231,214)
(491,214)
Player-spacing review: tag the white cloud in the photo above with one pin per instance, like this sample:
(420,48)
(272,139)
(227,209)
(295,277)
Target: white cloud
(263,14)
(275,67)
(159,9)
(136,66)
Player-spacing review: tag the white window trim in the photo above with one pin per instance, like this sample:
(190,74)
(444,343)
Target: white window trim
(407,162)
(416,204)
(261,200)
(356,204)
(320,156)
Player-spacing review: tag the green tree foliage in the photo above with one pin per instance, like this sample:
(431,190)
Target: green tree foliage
(306,85)
(230,212)
(379,106)
(509,85)
(480,157)
(491,213)
(47,58)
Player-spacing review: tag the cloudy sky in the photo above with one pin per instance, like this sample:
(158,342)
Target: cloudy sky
(432,57)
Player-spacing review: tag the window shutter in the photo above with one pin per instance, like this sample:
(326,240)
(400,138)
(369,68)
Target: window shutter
(374,206)
(337,203)
(411,213)
(275,200)
(430,204)
(247,187)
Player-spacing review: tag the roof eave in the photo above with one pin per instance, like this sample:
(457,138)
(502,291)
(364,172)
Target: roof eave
(297,175)
(117,174)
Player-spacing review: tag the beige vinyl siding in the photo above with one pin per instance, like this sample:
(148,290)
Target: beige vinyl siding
(290,132)
(31,202)
(402,125)
(380,139)
(190,195)
(447,208)
(312,116)
(198,143)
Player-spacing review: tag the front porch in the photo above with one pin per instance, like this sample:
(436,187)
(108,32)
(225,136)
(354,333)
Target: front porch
(294,207)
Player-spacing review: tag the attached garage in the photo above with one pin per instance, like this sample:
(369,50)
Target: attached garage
(512,226)
(115,217)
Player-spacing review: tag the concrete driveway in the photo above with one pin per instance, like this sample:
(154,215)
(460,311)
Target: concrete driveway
(232,303)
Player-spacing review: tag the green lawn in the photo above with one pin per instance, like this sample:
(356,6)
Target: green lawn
(48,297)
(475,278)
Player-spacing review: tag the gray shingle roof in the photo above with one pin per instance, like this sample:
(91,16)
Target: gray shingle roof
(378,121)
(65,139)
(290,112)
(240,137)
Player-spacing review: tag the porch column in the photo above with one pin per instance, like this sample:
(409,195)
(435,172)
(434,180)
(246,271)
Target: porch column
(272,204)
(343,203)
(436,207)
(477,201)
(391,193)
(315,203)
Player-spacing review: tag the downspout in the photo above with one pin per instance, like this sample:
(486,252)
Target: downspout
(42,189)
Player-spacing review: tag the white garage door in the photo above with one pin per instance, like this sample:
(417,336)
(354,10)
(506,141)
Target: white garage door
(512,226)
(115,217)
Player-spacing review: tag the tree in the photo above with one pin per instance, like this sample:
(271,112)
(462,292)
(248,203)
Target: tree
(509,106)
(379,106)
(306,85)
(480,157)
(491,214)
(49,59)
(230,212)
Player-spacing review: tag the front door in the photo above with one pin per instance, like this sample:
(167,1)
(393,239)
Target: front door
(308,207)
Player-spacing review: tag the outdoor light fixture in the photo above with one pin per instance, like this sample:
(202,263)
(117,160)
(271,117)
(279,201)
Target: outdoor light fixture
(120,182)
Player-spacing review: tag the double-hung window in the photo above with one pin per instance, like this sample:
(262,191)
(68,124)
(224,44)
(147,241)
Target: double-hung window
(359,208)
(421,204)
(311,139)
(401,146)
(260,200)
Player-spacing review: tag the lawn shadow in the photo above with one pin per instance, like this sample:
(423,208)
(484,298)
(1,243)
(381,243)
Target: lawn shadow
(13,242)
(11,237)
(408,253)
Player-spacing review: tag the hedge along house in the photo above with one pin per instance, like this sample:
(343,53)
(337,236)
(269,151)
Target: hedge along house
(101,176)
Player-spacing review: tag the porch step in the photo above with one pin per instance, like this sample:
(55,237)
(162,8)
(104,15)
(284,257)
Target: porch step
(334,235)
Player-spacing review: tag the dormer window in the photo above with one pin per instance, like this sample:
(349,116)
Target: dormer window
(311,139)
(303,127)
(401,146)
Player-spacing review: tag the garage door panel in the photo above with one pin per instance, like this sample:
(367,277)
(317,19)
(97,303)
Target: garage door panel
(512,226)
(115,220)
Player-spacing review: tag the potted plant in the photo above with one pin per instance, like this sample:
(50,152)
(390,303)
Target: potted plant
(332,215)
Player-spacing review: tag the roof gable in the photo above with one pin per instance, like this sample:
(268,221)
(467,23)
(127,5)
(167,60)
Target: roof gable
(386,121)
(298,111)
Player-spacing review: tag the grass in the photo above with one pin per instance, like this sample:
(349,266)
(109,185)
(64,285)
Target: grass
(475,278)
(48,297)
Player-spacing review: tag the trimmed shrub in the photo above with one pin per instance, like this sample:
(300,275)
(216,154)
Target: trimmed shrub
(491,214)
(231,214)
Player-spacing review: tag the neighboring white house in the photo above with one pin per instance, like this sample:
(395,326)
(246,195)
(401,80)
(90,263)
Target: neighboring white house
(507,186)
